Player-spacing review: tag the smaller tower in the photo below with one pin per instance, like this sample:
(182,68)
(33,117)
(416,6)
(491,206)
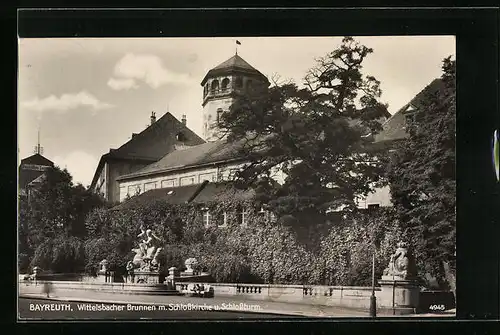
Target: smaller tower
(220,85)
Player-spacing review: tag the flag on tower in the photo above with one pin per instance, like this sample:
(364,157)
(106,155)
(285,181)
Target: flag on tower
(238,42)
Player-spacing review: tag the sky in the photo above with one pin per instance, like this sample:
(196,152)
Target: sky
(89,95)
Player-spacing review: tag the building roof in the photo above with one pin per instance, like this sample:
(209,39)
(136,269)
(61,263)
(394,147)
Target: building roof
(233,64)
(395,127)
(178,195)
(37,159)
(28,173)
(206,153)
(152,143)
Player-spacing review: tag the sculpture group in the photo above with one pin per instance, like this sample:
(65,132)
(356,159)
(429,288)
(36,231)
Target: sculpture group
(146,256)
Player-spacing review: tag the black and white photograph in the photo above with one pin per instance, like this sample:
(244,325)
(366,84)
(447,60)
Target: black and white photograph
(236,177)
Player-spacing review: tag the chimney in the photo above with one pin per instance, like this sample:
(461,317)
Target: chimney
(134,135)
(184,120)
(153,117)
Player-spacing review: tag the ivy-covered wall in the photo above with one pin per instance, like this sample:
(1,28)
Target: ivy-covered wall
(262,251)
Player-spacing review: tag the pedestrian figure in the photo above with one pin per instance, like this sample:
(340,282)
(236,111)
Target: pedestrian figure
(47,288)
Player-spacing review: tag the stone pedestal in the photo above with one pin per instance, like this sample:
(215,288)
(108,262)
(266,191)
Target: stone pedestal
(146,277)
(401,295)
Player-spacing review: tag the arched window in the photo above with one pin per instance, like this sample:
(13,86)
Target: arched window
(215,86)
(225,84)
(238,82)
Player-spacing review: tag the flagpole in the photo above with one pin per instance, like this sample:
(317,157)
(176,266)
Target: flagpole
(237,43)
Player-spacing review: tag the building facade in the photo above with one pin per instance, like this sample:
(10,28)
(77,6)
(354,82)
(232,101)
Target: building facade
(161,137)
(212,158)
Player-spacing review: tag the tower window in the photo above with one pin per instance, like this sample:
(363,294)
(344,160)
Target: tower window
(215,86)
(219,115)
(225,84)
(238,82)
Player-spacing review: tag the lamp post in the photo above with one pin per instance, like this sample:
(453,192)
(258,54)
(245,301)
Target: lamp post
(373,298)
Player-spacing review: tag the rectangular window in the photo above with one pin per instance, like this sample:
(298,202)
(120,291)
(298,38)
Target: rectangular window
(134,190)
(168,183)
(190,180)
(149,186)
(207,218)
(373,206)
(219,115)
(242,217)
(207,176)
(222,220)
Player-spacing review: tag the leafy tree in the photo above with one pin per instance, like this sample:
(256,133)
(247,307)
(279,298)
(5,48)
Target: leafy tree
(423,180)
(52,221)
(313,134)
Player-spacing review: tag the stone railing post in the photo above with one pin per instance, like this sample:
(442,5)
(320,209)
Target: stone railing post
(173,273)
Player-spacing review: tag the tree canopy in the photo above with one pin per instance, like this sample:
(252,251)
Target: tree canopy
(52,219)
(314,134)
(422,176)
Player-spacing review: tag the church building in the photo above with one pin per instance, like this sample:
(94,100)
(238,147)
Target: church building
(168,161)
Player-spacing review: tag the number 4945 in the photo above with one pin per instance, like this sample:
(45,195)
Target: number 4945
(436,307)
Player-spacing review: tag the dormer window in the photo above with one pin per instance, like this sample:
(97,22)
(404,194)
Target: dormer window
(180,137)
(410,114)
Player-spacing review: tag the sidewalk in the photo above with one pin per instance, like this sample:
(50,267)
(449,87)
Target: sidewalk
(224,303)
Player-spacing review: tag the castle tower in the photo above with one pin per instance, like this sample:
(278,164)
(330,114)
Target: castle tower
(219,88)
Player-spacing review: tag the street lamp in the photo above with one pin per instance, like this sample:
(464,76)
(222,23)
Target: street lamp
(373,298)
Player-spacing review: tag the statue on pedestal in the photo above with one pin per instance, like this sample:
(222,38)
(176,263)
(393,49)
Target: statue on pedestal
(146,256)
(402,263)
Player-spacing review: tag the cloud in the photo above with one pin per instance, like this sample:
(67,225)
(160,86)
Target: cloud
(122,84)
(79,164)
(149,69)
(66,102)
